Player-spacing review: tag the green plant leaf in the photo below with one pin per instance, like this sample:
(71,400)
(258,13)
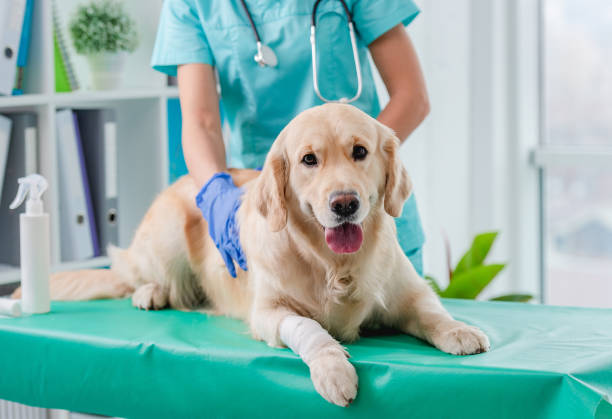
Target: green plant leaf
(470,283)
(103,26)
(434,284)
(476,255)
(518,298)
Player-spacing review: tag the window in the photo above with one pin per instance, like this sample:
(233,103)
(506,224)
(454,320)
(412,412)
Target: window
(576,151)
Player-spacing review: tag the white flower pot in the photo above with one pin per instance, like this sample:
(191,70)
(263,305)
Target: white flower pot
(106,70)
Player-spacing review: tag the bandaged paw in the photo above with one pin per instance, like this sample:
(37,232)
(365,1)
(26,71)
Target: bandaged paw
(333,376)
(305,336)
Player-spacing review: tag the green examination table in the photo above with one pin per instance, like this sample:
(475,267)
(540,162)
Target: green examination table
(109,358)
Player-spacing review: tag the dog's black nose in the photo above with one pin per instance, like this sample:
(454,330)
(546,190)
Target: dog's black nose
(344,204)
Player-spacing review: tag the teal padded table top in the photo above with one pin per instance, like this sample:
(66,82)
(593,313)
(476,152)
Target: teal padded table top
(109,358)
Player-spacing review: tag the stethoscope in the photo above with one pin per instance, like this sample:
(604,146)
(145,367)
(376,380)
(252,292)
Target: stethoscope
(266,57)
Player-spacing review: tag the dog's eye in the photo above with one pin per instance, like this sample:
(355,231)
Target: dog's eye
(309,159)
(359,152)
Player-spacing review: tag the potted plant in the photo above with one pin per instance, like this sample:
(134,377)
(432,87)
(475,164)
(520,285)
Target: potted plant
(103,32)
(472,275)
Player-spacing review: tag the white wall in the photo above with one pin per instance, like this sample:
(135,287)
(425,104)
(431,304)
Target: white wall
(468,160)
(437,153)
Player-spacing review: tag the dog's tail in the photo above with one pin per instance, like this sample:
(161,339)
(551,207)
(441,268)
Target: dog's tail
(88,284)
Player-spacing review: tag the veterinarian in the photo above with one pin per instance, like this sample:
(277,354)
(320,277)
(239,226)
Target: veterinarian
(259,53)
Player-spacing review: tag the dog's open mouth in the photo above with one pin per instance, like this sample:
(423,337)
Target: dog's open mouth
(346,238)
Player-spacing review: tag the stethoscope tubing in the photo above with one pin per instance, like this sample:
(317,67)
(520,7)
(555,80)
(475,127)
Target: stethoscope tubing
(314,12)
(315,81)
(246,9)
(260,59)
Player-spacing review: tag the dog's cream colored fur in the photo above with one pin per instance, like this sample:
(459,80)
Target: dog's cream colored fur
(173,262)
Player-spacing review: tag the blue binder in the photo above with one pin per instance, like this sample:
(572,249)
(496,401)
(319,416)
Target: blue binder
(177,167)
(24,46)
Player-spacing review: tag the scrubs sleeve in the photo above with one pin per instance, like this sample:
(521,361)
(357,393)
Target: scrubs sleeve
(373,17)
(180,37)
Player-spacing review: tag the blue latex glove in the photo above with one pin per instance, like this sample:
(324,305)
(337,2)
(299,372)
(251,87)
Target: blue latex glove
(219,200)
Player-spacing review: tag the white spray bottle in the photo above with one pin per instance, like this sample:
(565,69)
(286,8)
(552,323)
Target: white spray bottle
(34,245)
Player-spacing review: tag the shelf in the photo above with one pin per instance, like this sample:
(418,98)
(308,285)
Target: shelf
(112,95)
(99,262)
(23,100)
(171,91)
(80,97)
(9,274)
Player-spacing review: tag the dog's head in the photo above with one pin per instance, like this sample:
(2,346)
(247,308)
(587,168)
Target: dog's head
(332,166)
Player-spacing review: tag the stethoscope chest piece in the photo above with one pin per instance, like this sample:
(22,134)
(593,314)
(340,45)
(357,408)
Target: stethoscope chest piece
(265,56)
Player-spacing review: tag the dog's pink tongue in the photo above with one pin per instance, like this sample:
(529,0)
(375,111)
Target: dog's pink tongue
(345,238)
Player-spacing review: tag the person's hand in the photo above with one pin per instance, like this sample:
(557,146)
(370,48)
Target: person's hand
(219,200)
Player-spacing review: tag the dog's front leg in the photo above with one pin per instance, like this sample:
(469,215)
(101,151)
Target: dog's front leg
(420,313)
(333,376)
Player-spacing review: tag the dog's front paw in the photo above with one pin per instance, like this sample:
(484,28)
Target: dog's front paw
(461,339)
(334,377)
(150,296)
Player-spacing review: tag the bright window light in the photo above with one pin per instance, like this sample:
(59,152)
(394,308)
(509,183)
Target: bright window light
(577,116)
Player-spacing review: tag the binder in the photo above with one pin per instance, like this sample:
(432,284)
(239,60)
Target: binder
(62,83)
(65,77)
(11,22)
(24,46)
(5,138)
(177,166)
(99,136)
(22,160)
(79,239)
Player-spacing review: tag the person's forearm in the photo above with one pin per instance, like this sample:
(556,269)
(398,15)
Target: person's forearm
(404,113)
(398,64)
(204,151)
(202,140)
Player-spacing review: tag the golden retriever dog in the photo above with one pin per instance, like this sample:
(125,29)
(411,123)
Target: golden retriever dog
(320,242)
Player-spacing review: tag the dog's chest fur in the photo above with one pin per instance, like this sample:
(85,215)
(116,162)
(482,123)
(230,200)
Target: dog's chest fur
(349,303)
(338,299)
(344,311)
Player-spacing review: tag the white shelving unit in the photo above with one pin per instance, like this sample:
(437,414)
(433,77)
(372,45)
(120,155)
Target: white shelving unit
(142,163)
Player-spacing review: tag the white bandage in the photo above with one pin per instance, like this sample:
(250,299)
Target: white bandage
(304,336)
(10,307)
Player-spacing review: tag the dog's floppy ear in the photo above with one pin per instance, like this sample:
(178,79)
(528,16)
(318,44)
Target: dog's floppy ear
(270,187)
(398,184)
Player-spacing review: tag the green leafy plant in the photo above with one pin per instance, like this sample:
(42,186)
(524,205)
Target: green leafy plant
(103,26)
(472,275)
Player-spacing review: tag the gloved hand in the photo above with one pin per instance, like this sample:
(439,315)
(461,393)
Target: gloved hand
(219,200)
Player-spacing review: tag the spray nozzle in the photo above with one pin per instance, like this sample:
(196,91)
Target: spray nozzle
(32,187)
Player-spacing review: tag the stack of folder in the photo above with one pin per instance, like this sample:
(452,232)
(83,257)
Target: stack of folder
(15,32)
(87,180)
(87,163)
(18,157)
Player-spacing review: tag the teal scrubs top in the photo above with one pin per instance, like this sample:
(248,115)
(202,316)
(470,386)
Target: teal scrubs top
(259,101)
